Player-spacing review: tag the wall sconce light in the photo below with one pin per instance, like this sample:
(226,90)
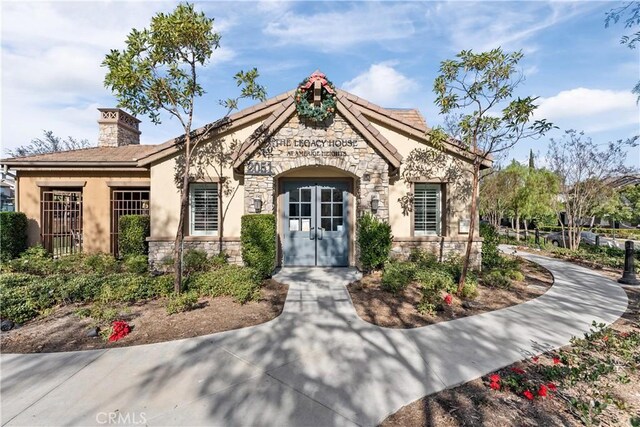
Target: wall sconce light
(257,205)
(375,202)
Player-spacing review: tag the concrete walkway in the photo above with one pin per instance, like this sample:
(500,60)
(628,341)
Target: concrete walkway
(317,364)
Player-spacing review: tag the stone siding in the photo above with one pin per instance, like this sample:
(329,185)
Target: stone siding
(289,148)
(161,250)
(401,249)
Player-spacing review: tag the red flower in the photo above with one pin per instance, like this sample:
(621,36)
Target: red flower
(556,360)
(495,386)
(120,330)
(518,371)
(528,394)
(535,359)
(494,378)
(605,338)
(552,387)
(448,299)
(542,391)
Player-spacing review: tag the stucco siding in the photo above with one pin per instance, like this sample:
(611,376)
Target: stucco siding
(96,202)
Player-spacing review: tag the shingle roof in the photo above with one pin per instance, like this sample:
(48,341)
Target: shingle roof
(125,154)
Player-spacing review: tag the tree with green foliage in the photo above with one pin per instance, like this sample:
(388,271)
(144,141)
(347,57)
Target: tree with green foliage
(586,173)
(158,73)
(49,143)
(480,88)
(493,196)
(630,14)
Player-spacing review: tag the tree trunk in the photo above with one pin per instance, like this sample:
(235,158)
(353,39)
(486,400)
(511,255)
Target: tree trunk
(472,225)
(526,230)
(220,216)
(184,206)
(517,226)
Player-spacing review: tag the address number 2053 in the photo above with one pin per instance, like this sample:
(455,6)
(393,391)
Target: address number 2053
(258,168)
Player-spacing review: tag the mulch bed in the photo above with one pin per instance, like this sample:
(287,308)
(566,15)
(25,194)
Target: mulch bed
(62,330)
(390,310)
(475,404)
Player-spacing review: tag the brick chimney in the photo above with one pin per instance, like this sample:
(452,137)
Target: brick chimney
(117,128)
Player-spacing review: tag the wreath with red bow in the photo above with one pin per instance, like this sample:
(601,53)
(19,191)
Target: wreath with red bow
(304,99)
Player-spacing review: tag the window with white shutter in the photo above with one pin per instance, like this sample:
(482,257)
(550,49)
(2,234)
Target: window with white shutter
(203,209)
(426,209)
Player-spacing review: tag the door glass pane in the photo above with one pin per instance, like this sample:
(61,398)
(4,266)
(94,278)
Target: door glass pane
(337,196)
(337,209)
(293,196)
(306,209)
(325,195)
(337,224)
(325,209)
(326,224)
(294,209)
(306,194)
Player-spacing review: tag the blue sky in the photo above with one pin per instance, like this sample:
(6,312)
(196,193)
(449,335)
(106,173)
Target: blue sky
(387,52)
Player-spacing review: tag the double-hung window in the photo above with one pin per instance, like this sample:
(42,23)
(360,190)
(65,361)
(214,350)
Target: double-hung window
(203,209)
(427,207)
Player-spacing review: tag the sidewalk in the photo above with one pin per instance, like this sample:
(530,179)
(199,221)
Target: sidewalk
(317,364)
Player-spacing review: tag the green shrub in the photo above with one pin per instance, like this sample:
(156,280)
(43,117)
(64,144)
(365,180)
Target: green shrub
(258,240)
(71,264)
(103,313)
(219,260)
(185,301)
(470,290)
(424,259)
(15,280)
(515,275)
(433,283)
(133,231)
(77,288)
(491,257)
(496,279)
(137,264)
(453,265)
(397,275)
(13,234)
(127,287)
(101,263)
(35,260)
(194,260)
(240,283)
(374,241)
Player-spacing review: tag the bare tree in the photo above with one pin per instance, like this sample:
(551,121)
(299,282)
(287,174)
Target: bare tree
(586,172)
(49,144)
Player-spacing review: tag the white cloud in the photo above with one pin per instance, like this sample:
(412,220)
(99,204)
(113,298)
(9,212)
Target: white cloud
(485,25)
(51,56)
(383,85)
(361,23)
(592,110)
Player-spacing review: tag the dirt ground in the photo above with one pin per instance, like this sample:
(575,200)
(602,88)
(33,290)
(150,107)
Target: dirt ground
(383,308)
(475,404)
(62,330)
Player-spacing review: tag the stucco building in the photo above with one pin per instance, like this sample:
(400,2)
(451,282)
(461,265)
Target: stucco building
(317,174)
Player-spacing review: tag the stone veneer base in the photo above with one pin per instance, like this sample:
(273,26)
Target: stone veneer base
(161,250)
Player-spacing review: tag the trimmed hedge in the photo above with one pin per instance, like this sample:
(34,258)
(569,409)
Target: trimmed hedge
(258,240)
(133,231)
(374,241)
(13,234)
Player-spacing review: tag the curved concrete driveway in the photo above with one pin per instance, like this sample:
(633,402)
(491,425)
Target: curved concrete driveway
(317,364)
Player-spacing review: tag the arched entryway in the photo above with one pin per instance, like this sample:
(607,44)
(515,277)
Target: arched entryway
(316,217)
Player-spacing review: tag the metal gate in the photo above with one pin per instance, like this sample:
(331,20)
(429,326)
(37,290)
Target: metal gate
(61,223)
(126,202)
